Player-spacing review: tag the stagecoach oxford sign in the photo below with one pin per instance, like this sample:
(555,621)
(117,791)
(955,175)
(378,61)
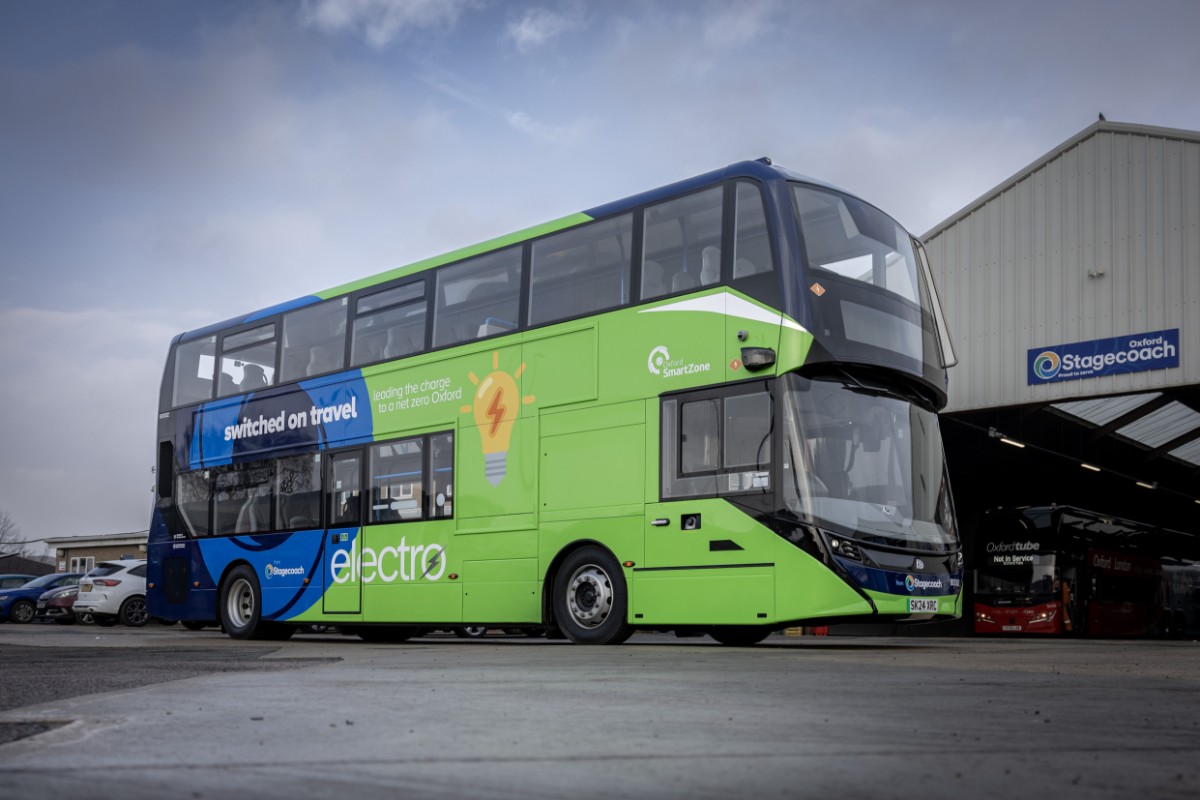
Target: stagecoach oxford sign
(1136,352)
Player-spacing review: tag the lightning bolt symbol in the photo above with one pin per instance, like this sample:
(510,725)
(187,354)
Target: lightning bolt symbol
(496,411)
(431,565)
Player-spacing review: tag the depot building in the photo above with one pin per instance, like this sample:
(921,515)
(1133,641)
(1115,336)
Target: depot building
(1072,292)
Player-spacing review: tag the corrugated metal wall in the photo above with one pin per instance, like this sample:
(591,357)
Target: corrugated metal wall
(1100,239)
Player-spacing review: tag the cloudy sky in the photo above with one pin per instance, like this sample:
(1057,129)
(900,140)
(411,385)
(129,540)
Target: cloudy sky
(164,165)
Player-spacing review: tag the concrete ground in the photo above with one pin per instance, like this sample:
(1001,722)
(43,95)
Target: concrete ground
(162,712)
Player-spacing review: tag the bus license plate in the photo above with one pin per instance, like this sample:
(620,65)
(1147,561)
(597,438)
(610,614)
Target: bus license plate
(922,605)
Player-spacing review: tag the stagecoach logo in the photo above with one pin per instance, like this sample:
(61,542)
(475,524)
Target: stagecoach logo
(911,583)
(1137,352)
(1047,364)
(279,572)
(661,363)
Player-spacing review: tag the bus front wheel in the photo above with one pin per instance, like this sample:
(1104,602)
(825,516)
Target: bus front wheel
(590,600)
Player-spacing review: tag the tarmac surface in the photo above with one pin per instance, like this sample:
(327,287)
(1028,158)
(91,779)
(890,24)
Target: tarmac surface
(161,712)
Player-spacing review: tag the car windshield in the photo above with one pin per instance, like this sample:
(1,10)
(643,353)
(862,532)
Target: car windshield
(866,463)
(107,568)
(45,580)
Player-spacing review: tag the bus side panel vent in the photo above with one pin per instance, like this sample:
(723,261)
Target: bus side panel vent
(175,580)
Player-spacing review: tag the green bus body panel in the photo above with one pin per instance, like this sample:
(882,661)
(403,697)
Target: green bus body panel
(725,596)
(500,590)
(684,581)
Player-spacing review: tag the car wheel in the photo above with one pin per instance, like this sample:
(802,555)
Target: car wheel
(590,598)
(133,612)
(85,618)
(22,612)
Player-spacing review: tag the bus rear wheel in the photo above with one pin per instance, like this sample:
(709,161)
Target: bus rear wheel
(590,600)
(241,608)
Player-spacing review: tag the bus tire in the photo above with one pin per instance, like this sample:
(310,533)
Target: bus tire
(471,632)
(241,604)
(590,600)
(740,635)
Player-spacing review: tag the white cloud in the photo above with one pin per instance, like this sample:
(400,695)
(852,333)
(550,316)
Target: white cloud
(379,22)
(737,24)
(538,26)
(551,134)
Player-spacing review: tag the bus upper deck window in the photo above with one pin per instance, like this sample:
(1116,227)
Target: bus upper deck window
(195,362)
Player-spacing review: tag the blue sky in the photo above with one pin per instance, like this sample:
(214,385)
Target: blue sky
(166,165)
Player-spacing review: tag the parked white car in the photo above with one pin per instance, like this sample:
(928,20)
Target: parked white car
(114,591)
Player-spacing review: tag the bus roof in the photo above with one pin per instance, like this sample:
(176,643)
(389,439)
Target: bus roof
(760,169)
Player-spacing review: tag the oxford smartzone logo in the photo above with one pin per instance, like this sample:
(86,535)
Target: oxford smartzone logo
(1137,352)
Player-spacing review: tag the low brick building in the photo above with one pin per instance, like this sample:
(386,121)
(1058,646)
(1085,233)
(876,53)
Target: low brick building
(80,553)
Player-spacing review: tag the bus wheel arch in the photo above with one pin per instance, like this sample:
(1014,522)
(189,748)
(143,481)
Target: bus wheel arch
(240,605)
(589,597)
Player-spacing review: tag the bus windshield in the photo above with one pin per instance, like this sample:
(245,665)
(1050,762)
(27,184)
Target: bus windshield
(868,463)
(869,288)
(1022,579)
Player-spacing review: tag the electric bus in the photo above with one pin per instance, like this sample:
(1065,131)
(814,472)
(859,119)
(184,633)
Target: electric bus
(710,408)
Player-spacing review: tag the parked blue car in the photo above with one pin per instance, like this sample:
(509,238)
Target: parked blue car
(12,580)
(20,604)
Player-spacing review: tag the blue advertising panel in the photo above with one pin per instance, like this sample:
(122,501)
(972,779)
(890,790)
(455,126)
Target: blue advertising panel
(1136,352)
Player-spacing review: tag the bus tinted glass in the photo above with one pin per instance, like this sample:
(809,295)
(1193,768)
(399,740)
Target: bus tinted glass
(389,324)
(581,270)
(477,298)
(682,244)
(314,340)
(194,365)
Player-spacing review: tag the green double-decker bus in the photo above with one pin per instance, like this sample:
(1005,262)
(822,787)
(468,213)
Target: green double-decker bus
(708,408)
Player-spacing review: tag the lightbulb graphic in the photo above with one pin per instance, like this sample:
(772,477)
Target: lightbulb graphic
(496,406)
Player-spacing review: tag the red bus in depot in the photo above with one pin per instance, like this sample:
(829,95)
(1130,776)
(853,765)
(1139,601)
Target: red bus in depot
(1060,570)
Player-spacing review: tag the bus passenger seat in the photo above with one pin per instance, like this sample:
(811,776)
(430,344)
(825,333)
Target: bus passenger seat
(682,281)
(397,344)
(319,360)
(653,283)
(255,514)
(492,326)
(253,377)
(710,265)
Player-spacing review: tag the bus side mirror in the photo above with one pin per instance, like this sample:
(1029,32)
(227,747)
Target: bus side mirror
(756,358)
